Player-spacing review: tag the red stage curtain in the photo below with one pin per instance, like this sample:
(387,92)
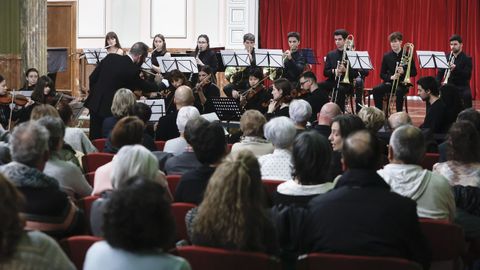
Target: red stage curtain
(428,24)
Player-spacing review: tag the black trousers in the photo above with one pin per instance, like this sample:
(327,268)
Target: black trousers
(380,90)
(96,122)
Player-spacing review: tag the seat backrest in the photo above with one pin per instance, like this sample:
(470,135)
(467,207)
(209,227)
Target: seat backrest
(179,211)
(352,262)
(92,161)
(90,178)
(99,144)
(429,160)
(446,239)
(271,185)
(86,205)
(160,145)
(173,181)
(201,258)
(76,248)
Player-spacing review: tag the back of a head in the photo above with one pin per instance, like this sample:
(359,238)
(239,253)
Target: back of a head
(127,131)
(11,227)
(429,83)
(280,131)
(361,150)
(123,102)
(372,117)
(463,143)
(138,217)
(139,48)
(252,122)
(408,144)
(207,140)
(348,123)
(142,111)
(399,119)
(470,115)
(311,155)
(133,160)
(184,114)
(184,96)
(42,110)
(330,110)
(56,129)
(29,143)
(65,111)
(300,111)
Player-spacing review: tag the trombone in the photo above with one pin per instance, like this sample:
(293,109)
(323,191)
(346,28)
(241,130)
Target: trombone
(348,46)
(406,60)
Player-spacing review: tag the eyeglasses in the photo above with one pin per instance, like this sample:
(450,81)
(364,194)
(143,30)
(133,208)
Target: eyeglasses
(302,83)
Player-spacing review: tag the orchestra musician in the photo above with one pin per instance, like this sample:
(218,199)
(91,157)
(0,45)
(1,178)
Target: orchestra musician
(460,70)
(112,44)
(6,99)
(282,95)
(294,62)
(316,97)
(204,57)
(204,90)
(256,97)
(390,71)
(159,49)
(240,79)
(31,78)
(335,70)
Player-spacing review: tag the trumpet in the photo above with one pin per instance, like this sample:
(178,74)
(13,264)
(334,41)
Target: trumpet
(406,60)
(448,72)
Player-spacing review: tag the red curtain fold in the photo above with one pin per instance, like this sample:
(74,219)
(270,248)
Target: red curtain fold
(427,24)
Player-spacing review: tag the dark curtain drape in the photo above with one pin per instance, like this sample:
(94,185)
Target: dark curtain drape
(427,24)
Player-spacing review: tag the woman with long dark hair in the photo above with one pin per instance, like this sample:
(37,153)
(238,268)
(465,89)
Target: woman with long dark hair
(112,43)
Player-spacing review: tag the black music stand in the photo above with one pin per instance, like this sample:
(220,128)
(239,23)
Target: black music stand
(235,58)
(269,58)
(431,59)
(227,109)
(309,56)
(186,64)
(94,56)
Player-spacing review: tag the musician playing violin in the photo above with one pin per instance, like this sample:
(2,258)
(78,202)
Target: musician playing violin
(204,90)
(6,115)
(256,97)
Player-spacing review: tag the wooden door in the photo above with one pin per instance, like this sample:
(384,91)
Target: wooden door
(62,33)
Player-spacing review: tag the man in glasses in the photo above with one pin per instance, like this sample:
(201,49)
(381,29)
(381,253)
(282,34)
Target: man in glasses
(316,97)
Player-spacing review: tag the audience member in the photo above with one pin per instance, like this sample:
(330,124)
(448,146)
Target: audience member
(435,116)
(325,118)
(233,213)
(48,208)
(406,177)
(399,119)
(350,219)
(373,118)
(122,104)
(139,229)
(178,145)
(127,131)
(300,112)
(251,124)
(144,112)
(20,249)
(280,131)
(210,145)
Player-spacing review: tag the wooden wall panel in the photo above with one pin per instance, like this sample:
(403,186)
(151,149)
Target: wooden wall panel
(11,70)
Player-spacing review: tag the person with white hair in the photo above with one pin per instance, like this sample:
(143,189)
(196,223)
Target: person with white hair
(300,112)
(280,131)
(177,145)
(130,161)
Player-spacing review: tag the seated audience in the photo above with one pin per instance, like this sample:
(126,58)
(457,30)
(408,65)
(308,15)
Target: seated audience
(300,112)
(210,146)
(435,116)
(399,119)
(351,218)
(21,249)
(342,126)
(128,131)
(178,145)
(373,118)
(138,229)
(233,213)
(406,177)
(144,112)
(311,156)
(74,136)
(131,160)
(68,175)
(325,118)
(251,124)
(280,131)
(122,105)
(47,207)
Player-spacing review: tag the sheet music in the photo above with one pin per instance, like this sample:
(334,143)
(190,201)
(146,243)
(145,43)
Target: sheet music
(359,60)
(157,106)
(432,59)
(186,64)
(269,58)
(235,58)
(94,55)
(148,63)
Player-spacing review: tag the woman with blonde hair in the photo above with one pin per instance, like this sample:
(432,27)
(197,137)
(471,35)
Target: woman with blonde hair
(251,124)
(233,213)
(122,104)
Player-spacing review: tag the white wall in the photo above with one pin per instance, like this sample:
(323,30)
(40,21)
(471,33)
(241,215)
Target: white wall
(224,21)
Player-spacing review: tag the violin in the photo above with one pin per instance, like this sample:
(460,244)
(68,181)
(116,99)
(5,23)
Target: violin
(10,98)
(202,83)
(299,93)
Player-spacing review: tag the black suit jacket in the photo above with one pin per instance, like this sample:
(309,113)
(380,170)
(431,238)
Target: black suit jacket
(361,216)
(114,72)
(460,76)
(331,63)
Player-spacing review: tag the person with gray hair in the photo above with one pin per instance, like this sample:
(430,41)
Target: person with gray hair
(68,175)
(112,73)
(399,119)
(177,145)
(130,161)
(122,105)
(300,112)
(280,131)
(372,117)
(48,208)
(406,177)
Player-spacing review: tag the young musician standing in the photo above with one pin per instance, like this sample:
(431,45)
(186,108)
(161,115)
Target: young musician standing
(390,71)
(294,60)
(113,44)
(460,70)
(205,57)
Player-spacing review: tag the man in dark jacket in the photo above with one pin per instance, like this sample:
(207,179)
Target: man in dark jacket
(360,216)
